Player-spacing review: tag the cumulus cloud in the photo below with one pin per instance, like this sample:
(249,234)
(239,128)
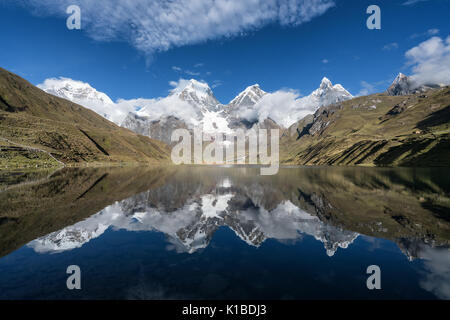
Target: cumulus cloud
(430,61)
(437,277)
(158,25)
(84,94)
(156,109)
(284,107)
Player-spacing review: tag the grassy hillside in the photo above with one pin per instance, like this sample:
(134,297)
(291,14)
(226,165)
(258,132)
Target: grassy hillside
(38,129)
(375,130)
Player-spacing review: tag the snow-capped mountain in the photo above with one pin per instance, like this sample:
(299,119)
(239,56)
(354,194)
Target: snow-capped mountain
(249,97)
(197,107)
(404,85)
(326,94)
(192,226)
(83,94)
(198,94)
(192,104)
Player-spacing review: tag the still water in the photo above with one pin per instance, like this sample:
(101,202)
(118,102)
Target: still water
(225,233)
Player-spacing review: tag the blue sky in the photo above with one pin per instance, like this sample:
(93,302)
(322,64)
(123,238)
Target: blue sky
(289,52)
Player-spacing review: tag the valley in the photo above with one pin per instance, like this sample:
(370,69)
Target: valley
(404,126)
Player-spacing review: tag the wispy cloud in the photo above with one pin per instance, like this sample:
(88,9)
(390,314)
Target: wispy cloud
(411,2)
(216,83)
(390,46)
(428,33)
(372,87)
(158,25)
(325,61)
(187,72)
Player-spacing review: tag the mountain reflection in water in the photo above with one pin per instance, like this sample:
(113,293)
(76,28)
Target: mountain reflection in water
(63,211)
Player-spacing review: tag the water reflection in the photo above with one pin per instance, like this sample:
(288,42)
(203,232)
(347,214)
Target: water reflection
(71,207)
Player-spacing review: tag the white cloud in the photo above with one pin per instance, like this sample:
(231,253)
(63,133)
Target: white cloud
(428,33)
(430,61)
(325,61)
(367,88)
(158,25)
(159,108)
(284,107)
(411,2)
(84,94)
(437,278)
(216,83)
(390,46)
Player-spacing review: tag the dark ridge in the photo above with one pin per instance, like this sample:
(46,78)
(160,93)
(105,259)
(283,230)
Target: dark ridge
(93,185)
(99,147)
(305,130)
(377,147)
(10,108)
(435,119)
(438,211)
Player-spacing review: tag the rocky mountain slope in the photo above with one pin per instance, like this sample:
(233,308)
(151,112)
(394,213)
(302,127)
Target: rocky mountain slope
(193,104)
(240,113)
(381,130)
(404,85)
(37,127)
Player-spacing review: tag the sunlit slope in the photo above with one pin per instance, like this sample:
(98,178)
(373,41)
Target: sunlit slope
(376,130)
(38,128)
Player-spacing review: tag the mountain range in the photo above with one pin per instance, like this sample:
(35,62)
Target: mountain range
(404,126)
(201,108)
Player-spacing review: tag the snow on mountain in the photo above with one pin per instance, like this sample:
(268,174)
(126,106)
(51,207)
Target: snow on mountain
(326,94)
(402,85)
(286,107)
(192,226)
(192,104)
(83,94)
(198,94)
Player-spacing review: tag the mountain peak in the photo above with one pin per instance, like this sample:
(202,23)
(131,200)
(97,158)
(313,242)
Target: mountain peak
(400,86)
(196,93)
(254,86)
(199,84)
(249,97)
(327,94)
(325,83)
(327,88)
